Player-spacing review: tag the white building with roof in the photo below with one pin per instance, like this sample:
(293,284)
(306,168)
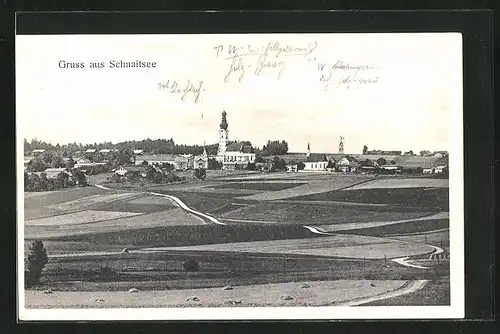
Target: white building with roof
(234,155)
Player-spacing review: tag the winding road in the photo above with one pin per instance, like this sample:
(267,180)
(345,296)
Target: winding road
(180,203)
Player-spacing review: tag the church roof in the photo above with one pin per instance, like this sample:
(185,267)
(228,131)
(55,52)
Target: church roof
(350,159)
(316,157)
(239,147)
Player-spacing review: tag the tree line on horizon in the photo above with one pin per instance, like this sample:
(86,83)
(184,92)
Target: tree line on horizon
(153,146)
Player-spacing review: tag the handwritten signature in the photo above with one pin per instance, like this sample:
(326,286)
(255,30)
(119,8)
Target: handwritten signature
(261,58)
(344,74)
(272,57)
(184,90)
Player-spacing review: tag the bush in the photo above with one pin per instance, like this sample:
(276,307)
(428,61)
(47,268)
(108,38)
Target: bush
(191,265)
(200,173)
(35,262)
(251,166)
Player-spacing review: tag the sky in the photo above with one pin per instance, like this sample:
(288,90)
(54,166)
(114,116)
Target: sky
(407,93)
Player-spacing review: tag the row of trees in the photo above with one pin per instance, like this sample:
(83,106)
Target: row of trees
(422,153)
(35,182)
(154,146)
(274,147)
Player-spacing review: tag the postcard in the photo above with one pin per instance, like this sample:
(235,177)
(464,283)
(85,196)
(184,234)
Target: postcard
(240,176)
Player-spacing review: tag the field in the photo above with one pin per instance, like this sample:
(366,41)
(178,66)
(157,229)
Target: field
(318,294)
(262,233)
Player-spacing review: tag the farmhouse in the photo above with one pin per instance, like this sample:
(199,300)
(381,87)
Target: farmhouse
(347,164)
(156,159)
(235,155)
(52,173)
(184,161)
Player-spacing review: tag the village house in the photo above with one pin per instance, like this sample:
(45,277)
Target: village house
(155,159)
(292,166)
(347,164)
(184,162)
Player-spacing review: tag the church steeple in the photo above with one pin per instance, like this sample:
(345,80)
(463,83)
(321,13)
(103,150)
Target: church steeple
(223,123)
(223,136)
(308,150)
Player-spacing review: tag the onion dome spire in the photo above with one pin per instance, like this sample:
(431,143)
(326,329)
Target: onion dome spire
(223,123)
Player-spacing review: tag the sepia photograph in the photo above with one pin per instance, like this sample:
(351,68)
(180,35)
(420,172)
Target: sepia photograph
(240,176)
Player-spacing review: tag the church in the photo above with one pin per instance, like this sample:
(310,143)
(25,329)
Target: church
(233,155)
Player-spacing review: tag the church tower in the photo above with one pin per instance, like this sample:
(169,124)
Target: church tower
(204,157)
(223,136)
(308,150)
(341,145)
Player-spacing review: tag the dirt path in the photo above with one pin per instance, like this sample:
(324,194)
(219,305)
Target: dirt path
(407,288)
(180,203)
(361,225)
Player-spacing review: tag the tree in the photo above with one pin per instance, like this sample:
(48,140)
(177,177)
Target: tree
(167,166)
(35,262)
(200,173)
(381,161)
(63,180)
(214,164)
(144,163)
(157,177)
(331,164)
(57,162)
(171,178)
(365,149)
(260,159)
(424,153)
(251,166)
(301,166)
(81,178)
(131,177)
(278,164)
(36,165)
(150,173)
(275,147)
(393,162)
(70,163)
(123,157)
(47,157)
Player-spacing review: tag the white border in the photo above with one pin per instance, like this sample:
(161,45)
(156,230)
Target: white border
(454,311)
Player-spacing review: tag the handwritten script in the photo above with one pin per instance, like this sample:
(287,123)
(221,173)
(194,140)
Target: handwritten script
(273,56)
(258,59)
(187,90)
(344,74)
